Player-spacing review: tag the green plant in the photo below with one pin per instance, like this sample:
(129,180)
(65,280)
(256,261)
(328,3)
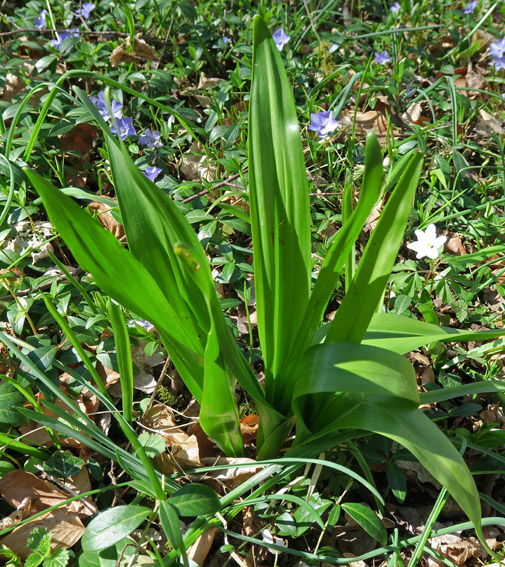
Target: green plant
(346,375)
(39,541)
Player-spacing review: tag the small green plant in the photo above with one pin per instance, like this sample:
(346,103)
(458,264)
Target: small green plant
(39,541)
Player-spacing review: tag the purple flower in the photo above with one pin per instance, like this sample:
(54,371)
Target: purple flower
(226,39)
(151,139)
(411,91)
(499,63)
(503,96)
(470,7)
(99,102)
(323,123)
(152,172)
(125,128)
(395,8)
(382,58)
(85,10)
(40,22)
(281,38)
(62,36)
(497,48)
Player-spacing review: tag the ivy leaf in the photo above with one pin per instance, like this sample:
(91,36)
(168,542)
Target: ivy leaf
(63,464)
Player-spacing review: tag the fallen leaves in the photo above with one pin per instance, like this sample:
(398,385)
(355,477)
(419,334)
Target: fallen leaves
(29,494)
(140,52)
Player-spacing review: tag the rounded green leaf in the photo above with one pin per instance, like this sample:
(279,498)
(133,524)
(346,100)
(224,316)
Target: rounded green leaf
(111,526)
(368,520)
(195,500)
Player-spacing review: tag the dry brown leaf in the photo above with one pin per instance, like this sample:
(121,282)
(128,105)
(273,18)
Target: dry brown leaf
(159,419)
(23,511)
(81,139)
(86,401)
(195,165)
(454,548)
(232,476)
(249,427)
(488,124)
(200,549)
(17,485)
(203,85)
(373,217)
(15,83)
(141,52)
(106,218)
(183,456)
(80,483)
(367,121)
(455,246)
(66,530)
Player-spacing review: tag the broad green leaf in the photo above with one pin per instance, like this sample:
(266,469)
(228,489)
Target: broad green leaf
(124,358)
(223,363)
(218,413)
(403,334)
(111,526)
(332,368)
(361,300)
(10,397)
(397,419)
(397,481)
(154,444)
(351,367)
(280,215)
(107,557)
(123,277)
(171,525)
(342,244)
(154,226)
(195,499)
(367,519)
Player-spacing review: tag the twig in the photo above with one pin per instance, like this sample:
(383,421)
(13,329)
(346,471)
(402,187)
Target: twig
(216,186)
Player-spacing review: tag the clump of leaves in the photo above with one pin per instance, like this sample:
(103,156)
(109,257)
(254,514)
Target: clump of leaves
(39,542)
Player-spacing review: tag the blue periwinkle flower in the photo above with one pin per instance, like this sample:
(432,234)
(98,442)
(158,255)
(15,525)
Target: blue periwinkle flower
(151,139)
(280,38)
(40,22)
(62,36)
(323,123)
(226,39)
(85,10)
(99,102)
(497,52)
(382,58)
(470,7)
(152,172)
(124,128)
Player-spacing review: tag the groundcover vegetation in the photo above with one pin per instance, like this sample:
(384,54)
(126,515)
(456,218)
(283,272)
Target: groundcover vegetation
(251,283)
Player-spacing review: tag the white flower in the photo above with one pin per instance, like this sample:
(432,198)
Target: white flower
(427,242)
